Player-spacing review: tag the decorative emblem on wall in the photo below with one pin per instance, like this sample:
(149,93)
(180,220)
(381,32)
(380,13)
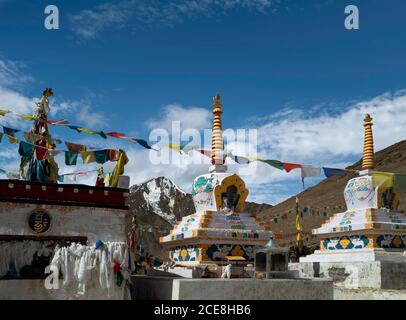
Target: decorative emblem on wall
(389,241)
(346,242)
(39,221)
(185,253)
(217,252)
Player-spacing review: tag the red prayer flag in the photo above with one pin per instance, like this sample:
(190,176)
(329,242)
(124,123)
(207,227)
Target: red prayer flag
(207,153)
(115,134)
(113,155)
(41,153)
(74,147)
(58,122)
(290,166)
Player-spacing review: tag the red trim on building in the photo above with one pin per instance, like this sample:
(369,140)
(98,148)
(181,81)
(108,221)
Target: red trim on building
(63,194)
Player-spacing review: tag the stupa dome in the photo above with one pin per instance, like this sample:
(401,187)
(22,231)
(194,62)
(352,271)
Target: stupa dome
(220,192)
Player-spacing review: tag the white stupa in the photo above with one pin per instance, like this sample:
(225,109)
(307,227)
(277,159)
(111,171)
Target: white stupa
(219,228)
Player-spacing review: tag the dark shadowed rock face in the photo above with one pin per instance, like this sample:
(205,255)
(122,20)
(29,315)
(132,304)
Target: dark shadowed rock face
(161,197)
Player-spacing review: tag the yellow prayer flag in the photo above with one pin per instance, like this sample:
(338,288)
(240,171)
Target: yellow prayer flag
(298,227)
(119,169)
(383,179)
(4,112)
(106,179)
(174,146)
(253,158)
(12,139)
(88,156)
(87,130)
(26,117)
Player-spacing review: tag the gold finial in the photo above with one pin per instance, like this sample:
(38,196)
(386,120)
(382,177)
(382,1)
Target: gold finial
(217,99)
(217,144)
(368,154)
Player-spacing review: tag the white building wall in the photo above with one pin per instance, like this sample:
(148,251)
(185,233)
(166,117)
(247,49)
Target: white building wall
(94,223)
(105,224)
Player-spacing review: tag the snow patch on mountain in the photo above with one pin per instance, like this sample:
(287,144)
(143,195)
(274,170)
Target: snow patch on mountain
(160,195)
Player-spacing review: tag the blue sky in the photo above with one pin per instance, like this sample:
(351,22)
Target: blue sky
(279,66)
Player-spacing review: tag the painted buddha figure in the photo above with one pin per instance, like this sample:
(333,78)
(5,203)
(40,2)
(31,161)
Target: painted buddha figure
(229,200)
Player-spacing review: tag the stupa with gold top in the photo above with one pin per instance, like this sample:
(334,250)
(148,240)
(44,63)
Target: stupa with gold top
(218,229)
(367,242)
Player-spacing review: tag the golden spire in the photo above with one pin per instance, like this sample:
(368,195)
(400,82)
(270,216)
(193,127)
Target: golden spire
(368,154)
(217,144)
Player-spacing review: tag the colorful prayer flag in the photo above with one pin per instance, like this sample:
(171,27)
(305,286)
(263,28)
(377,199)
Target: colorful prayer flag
(290,166)
(309,171)
(4,112)
(58,122)
(88,156)
(400,182)
(71,158)
(115,134)
(12,139)
(384,179)
(100,133)
(207,153)
(101,156)
(26,117)
(74,147)
(25,148)
(274,163)
(239,159)
(10,131)
(329,172)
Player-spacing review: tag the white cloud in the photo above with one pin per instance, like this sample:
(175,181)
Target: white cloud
(329,137)
(12,81)
(10,73)
(116,15)
(189,117)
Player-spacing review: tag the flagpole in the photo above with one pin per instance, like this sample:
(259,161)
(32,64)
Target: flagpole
(298,223)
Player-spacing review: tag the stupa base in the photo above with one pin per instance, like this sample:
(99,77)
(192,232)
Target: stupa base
(355,255)
(367,268)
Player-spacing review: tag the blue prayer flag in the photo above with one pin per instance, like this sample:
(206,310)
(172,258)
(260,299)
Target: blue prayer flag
(329,172)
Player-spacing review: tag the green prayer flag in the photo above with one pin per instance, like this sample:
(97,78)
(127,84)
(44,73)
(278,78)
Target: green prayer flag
(101,156)
(71,158)
(100,133)
(400,182)
(274,163)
